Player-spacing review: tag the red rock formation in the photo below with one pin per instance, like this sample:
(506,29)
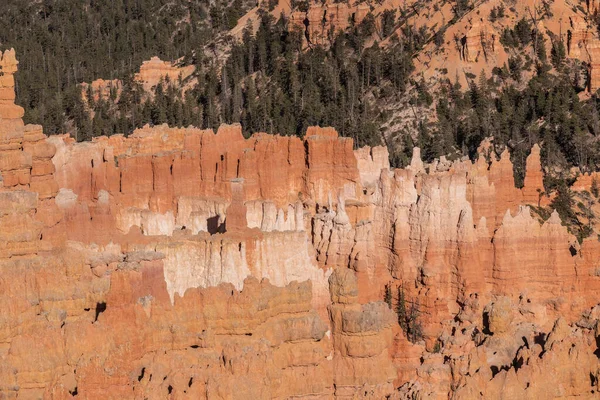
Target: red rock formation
(362,337)
(550,267)
(583,43)
(533,185)
(236,212)
(10,114)
(152,71)
(322,21)
(480,42)
(585,181)
(101,89)
(141,267)
(25,161)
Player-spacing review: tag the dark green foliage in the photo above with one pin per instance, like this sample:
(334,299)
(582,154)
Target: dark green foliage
(387,297)
(61,43)
(515,66)
(540,48)
(438,38)
(508,38)
(461,7)
(423,96)
(558,53)
(521,35)
(401,309)
(403,156)
(572,212)
(268,83)
(281,89)
(408,312)
(563,203)
(542,213)
(523,31)
(547,110)
(272,4)
(501,11)
(388,22)
(497,12)
(300,5)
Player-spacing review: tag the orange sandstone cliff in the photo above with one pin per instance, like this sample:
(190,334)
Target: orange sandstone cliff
(183,263)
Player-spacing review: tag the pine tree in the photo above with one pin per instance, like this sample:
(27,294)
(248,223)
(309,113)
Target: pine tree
(414,327)
(387,297)
(401,309)
(557,54)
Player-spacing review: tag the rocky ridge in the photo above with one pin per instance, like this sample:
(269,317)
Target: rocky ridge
(469,43)
(184,263)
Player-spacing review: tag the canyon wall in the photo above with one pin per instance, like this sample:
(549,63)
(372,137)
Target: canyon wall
(184,263)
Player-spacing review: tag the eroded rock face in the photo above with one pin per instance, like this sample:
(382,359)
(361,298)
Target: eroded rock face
(10,114)
(101,89)
(583,43)
(321,21)
(155,70)
(480,41)
(192,264)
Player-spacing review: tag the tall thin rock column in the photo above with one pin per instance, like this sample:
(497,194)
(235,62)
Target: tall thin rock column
(11,122)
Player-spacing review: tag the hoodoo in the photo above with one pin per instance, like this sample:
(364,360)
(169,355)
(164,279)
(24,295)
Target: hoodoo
(180,262)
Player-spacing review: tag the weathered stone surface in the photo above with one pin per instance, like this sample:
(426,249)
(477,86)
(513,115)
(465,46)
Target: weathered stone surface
(101,89)
(180,262)
(155,70)
(480,42)
(10,114)
(321,20)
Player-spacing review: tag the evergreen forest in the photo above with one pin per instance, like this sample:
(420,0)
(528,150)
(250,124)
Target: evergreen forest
(268,81)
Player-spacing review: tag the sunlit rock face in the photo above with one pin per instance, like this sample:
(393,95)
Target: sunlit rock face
(188,263)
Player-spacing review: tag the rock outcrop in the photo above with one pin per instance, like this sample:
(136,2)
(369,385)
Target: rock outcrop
(10,114)
(583,43)
(469,45)
(184,263)
(321,21)
(100,89)
(479,42)
(155,70)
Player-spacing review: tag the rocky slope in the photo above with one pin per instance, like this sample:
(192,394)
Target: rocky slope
(180,263)
(463,42)
(469,41)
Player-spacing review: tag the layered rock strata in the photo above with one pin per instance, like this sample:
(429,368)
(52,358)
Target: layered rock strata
(184,263)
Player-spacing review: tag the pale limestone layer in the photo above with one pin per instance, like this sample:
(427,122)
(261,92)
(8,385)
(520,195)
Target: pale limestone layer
(210,262)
